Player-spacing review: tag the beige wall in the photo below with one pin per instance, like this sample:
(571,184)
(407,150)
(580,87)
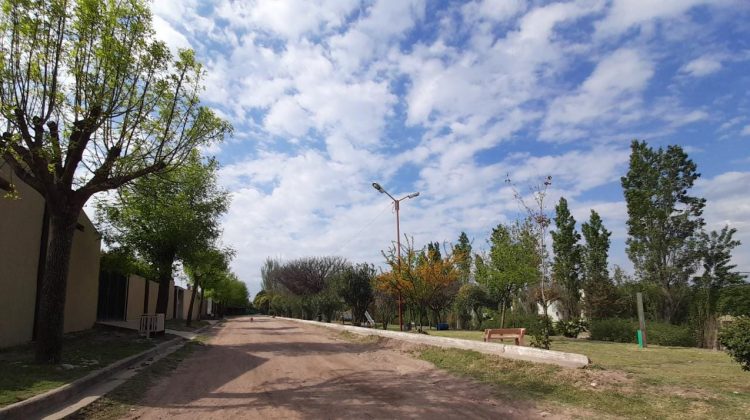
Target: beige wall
(20,234)
(170,302)
(136,291)
(83,278)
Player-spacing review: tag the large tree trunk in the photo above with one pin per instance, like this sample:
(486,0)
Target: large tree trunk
(51,318)
(200,307)
(189,319)
(165,276)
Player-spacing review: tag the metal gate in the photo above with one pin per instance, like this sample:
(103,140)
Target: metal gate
(113,296)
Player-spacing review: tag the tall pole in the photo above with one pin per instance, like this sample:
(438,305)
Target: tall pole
(398,250)
(396,204)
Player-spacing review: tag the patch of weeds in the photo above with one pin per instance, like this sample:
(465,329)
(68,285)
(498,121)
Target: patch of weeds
(605,391)
(83,352)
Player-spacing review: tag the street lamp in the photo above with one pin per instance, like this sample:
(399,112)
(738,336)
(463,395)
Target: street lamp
(398,240)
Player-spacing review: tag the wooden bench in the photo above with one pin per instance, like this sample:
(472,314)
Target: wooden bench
(502,333)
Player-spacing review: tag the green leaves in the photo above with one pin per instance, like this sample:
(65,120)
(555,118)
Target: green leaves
(662,220)
(567,262)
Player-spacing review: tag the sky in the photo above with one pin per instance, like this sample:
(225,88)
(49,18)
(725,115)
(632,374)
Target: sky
(450,99)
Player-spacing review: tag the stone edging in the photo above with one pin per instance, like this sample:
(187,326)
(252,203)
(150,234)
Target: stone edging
(37,404)
(530,354)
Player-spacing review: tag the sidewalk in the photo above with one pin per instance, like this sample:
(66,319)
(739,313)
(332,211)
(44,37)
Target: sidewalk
(65,400)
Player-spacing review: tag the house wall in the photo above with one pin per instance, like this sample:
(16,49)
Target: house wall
(20,235)
(136,292)
(83,278)
(21,222)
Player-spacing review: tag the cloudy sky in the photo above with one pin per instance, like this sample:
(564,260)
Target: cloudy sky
(448,98)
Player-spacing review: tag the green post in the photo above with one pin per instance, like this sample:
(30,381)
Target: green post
(640,339)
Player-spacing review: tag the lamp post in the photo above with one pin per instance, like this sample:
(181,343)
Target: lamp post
(396,204)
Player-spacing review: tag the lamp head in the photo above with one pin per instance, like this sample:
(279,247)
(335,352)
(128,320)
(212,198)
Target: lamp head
(413,195)
(378,187)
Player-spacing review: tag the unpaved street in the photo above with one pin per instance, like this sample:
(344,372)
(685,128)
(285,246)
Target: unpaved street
(272,368)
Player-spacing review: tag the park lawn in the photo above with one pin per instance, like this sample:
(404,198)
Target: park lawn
(83,352)
(656,382)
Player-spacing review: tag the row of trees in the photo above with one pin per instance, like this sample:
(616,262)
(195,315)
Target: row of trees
(91,101)
(682,269)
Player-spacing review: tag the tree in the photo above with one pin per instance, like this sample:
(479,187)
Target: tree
(662,221)
(206,268)
(462,256)
(167,216)
(597,287)
(355,288)
(425,279)
(262,301)
(715,249)
(471,298)
(537,214)
(567,261)
(90,101)
(511,265)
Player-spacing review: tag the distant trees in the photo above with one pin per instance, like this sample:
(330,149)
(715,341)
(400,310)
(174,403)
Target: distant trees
(355,287)
(90,102)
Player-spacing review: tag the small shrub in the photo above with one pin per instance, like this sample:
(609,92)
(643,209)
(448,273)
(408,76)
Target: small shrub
(735,337)
(614,329)
(664,334)
(571,328)
(540,334)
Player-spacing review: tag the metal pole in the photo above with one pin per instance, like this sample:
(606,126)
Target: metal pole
(641,319)
(398,247)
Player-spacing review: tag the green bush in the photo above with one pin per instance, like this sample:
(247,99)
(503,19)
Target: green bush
(571,328)
(735,300)
(664,334)
(658,333)
(735,337)
(614,329)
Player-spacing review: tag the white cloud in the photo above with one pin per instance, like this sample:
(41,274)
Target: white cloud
(727,204)
(745,130)
(611,94)
(290,18)
(702,66)
(626,14)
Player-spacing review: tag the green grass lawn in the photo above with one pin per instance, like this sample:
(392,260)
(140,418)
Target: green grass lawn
(656,382)
(83,352)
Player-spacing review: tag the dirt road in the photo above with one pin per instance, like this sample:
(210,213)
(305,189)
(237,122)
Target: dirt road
(272,368)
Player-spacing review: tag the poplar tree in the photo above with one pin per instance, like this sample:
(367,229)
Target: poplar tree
(567,260)
(663,220)
(598,288)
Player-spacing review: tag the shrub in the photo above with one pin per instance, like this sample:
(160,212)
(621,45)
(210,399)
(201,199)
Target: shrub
(614,329)
(571,328)
(735,337)
(658,333)
(540,334)
(735,300)
(664,334)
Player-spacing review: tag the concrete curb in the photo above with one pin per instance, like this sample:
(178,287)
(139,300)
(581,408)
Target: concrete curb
(38,404)
(529,354)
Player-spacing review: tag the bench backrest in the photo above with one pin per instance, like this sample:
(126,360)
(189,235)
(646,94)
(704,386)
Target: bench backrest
(501,331)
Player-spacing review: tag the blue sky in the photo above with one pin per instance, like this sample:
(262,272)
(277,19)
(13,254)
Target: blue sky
(447,98)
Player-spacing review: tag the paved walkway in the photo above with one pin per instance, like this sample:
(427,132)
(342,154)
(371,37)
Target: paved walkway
(271,368)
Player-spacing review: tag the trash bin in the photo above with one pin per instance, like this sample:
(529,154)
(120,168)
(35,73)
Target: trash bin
(442,326)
